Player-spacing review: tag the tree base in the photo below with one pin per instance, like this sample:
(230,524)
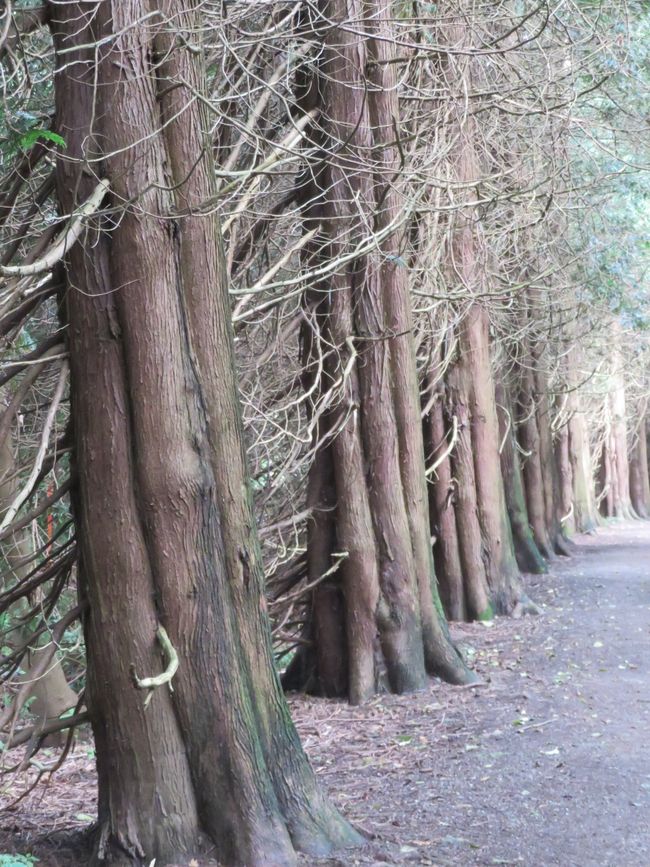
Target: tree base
(525,607)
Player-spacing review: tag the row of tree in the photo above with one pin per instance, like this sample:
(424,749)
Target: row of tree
(329,311)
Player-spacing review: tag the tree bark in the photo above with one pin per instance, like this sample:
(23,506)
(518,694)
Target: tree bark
(501,565)
(605,478)
(582,477)
(565,475)
(466,263)
(618,444)
(548,463)
(440,657)
(529,440)
(163,509)
(538,354)
(442,496)
(470,539)
(528,555)
(394,625)
(639,479)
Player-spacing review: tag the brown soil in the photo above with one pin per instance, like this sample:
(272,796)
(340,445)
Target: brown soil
(546,764)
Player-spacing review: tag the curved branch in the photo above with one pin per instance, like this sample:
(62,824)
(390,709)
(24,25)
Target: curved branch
(452,442)
(171,658)
(26,491)
(66,239)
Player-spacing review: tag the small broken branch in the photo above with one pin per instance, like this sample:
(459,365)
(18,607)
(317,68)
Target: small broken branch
(171,659)
(452,442)
(566,517)
(26,491)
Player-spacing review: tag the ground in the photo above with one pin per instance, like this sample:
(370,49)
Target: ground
(547,763)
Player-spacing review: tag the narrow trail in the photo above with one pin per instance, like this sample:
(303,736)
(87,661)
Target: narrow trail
(549,764)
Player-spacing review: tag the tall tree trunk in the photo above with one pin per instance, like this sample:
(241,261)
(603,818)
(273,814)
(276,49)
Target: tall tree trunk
(583,483)
(618,445)
(639,479)
(442,496)
(539,359)
(548,464)
(466,263)
(528,555)
(606,472)
(502,571)
(393,616)
(470,539)
(529,440)
(565,477)
(165,526)
(393,289)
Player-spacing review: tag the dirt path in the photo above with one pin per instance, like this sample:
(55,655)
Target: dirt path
(547,764)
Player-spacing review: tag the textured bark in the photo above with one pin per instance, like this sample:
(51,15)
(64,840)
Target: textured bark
(550,478)
(470,540)
(529,441)
(442,496)
(565,476)
(163,507)
(393,623)
(440,658)
(586,514)
(466,263)
(501,565)
(541,400)
(583,483)
(617,445)
(606,472)
(639,479)
(528,555)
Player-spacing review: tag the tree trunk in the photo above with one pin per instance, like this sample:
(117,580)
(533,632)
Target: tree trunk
(548,464)
(393,621)
(526,551)
(539,383)
(585,511)
(470,540)
(163,511)
(393,289)
(620,470)
(467,254)
(501,565)
(442,496)
(529,440)
(639,480)
(565,476)
(606,472)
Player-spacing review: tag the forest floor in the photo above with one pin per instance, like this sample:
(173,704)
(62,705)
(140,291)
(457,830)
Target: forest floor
(547,763)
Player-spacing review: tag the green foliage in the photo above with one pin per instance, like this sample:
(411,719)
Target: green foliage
(610,156)
(7,860)
(30,138)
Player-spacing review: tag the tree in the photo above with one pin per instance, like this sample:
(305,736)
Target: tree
(380,611)
(169,553)
(422,283)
